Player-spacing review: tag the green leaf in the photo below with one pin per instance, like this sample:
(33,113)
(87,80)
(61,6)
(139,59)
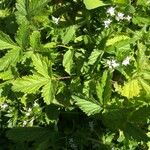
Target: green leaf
(6,75)
(69,34)
(145,85)
(115,118)
(22,36)
(89,107)
(121,1)
(22,14)
(48,92)
(35,40)
(108,87)
(41,64)
(100,86)
(90,4)
(140,115)
(29,84)
(6,42)
(136,133)
(94,56)
(68,60)
(10,59)
(36,7)
(116,39)
(27,134)
(131,89)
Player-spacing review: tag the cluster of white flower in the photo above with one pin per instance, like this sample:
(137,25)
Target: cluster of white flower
(118,16)
(114,64)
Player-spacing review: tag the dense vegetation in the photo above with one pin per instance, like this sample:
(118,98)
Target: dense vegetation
(74,74)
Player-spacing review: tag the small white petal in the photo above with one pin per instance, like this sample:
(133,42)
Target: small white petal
(107,23)
(4,106)
(56,20)
(114,64)
(128,18)
(120,16)
(27,114)
(111,11)
(126,61)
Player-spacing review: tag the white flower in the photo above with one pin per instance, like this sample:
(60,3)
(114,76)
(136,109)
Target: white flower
(35,104)
(112,64)
(24,123)
(55,20)
(29,112)
(111,11)
(126,61)
(4,106)
(107,23)
(120,16)
(128,18)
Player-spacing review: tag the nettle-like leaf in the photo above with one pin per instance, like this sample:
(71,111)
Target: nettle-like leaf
(121,1)
(35,40)
(143,68)
(22,36)
(48,91)
(135,132)
(41,64)
(100,86)
(140,115)
(94,56)
(29,84)
(130,89)
(89,107)
(70,32)
(6,75)
(27,9)
(22,14)
(116,39)
(36,7)
(90,4)
(6,42)
(68,60)
(10,59)
(145,85)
